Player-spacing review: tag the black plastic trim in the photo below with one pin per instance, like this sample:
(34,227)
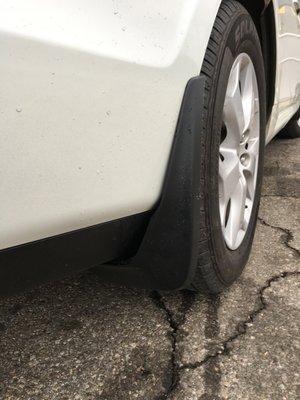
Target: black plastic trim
(47,259)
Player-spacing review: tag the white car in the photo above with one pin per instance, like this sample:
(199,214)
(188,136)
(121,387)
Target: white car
(133,133)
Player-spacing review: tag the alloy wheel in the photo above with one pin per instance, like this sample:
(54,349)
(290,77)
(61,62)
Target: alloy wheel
(239,151)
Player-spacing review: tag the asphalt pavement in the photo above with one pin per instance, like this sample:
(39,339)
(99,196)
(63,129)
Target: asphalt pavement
(82,339)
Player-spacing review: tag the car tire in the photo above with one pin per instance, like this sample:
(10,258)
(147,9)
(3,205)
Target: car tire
(234,37)
(292,128)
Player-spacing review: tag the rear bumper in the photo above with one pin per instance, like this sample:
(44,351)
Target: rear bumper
(159,246)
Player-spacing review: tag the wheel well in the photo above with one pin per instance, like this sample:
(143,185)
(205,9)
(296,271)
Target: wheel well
(262,13)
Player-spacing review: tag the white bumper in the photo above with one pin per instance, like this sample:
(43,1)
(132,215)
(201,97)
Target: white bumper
(89,100)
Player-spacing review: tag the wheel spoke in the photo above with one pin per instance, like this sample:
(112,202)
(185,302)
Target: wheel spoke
(253,146)
(229,175)
(233,112)
(235,221)
(248,96)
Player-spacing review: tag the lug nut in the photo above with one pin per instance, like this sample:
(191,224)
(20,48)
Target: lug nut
(244,136)
(244,159)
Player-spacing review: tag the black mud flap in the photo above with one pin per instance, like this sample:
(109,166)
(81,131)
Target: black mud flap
(167,256)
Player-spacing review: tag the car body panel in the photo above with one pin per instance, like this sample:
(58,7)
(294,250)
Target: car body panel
(90,95)
(287,85)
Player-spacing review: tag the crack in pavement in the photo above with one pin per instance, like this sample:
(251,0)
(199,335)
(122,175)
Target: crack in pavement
(188,298)
(287,232)
(241,329)
(224,347)
(212,372)
(242,326)
(281,196)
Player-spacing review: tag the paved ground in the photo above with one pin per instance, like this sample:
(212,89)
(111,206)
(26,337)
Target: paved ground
(81,339)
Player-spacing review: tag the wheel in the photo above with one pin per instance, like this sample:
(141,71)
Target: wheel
(232,146)
(292,128)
